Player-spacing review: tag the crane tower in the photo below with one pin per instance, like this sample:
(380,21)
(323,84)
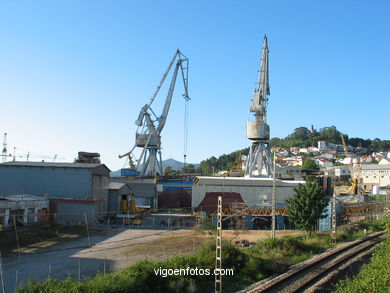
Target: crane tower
(4,150)
(259,160)
(150,125)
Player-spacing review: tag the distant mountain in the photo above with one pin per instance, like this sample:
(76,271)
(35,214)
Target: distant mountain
(116,173)
(175,165)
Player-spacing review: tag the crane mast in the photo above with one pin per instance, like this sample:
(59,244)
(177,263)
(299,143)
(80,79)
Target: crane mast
(4,150)
(259,161)
(150,126)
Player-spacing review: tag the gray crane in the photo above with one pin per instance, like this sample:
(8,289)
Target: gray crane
(259,161)
(150,126)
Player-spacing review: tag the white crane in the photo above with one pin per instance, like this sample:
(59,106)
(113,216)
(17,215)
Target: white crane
(4,150)
(150,126)
(259,161)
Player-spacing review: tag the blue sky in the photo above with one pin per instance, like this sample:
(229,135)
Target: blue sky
(74,74)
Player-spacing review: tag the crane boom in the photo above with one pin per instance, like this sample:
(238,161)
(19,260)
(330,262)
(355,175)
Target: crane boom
(149,137)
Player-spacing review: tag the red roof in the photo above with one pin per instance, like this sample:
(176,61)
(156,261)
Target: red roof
(210,201)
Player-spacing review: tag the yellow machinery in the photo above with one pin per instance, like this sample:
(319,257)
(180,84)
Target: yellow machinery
(237,171)
(353,188)
(129,212)
(128,155)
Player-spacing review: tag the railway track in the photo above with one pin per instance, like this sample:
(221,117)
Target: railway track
(304,275)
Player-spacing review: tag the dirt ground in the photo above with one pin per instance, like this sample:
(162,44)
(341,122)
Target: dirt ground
(107,251)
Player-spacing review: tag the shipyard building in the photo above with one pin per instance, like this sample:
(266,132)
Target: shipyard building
(72,188)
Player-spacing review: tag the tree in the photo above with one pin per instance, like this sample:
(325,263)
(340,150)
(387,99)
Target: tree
(309,165)
(300,133)
(330,134)
(189,169)
(307,205)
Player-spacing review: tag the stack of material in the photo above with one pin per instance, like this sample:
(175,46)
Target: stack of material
(89,158)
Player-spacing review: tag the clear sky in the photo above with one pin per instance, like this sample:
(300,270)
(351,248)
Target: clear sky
(74,74)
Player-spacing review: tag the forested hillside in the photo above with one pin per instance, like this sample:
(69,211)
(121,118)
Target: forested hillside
(302,137)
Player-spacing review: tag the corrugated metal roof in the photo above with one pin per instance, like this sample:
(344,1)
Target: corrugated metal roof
(51,164)
(24,197)
(116,185)
(243,181)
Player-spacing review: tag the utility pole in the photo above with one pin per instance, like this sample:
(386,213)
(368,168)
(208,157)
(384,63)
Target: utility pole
(334,223)
(218,250)
(273,201)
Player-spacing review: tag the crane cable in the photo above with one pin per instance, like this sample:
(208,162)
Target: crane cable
(185,130)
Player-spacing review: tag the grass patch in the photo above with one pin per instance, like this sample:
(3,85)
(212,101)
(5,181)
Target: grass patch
(39,233)
(250,265)
(373,277)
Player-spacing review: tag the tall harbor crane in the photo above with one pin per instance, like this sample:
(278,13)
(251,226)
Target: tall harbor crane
(259,160)
(150,126)
(4,150)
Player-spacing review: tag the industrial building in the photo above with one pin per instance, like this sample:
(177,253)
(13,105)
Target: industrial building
(71,187)
(117,192)
(142,191)
(371,175)
(174,193)
(22,209)
(254,191)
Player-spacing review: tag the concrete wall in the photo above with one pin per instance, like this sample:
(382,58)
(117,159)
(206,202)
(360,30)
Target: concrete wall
(254,191)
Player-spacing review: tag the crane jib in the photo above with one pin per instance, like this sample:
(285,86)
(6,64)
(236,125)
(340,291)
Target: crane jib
(149,137)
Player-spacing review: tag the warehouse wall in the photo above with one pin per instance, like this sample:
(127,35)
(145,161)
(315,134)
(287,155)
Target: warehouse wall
(253,192)
(56,182)
(100,191)
(74,213)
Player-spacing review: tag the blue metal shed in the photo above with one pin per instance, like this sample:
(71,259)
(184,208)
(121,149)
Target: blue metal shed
(56,180)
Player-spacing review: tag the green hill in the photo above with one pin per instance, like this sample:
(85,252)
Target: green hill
(302,137)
